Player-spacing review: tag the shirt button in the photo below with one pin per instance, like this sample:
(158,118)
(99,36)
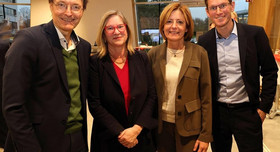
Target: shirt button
(179,113)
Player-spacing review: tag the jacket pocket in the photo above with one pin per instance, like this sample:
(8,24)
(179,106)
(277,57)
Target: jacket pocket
(193,115)
(193,70)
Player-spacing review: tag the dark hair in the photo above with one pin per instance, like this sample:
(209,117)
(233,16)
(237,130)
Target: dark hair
(84,3)
(206,2)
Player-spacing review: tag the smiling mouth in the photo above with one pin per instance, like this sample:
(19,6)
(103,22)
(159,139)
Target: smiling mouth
(173,32)
(117,37)
(68,19)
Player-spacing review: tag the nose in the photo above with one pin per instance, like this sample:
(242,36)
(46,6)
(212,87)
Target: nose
(68,11)
(218,10)
(174,24)
(116,30)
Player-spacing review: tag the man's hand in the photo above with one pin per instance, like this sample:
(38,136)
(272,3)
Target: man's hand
(128,137)
(261,114)
(201,146)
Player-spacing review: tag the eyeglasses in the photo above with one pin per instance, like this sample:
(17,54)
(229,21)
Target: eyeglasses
(63,7)
(111,29)
(221,7)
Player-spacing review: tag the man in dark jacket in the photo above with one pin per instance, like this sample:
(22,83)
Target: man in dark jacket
(45,84)
(238,55)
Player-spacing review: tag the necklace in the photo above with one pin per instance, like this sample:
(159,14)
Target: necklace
(175,52)
(118,60)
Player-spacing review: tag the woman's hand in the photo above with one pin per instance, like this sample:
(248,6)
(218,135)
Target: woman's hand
(128,137)
(200,146)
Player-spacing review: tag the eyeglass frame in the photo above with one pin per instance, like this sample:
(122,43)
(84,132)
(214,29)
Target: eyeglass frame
(63,7)
(115,27)
(221,7)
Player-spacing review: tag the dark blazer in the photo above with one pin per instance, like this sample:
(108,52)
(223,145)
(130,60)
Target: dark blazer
(106,103)
(256,59)
(4,46)
(36,99)
(193,108)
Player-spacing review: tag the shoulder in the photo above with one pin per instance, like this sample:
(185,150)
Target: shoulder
(154,51)
(142,55)
(34,32)
(84,42)
(250,29)
(207,35)
(94,58)
(197,50)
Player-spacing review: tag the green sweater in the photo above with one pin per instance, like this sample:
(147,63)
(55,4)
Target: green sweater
(74,122)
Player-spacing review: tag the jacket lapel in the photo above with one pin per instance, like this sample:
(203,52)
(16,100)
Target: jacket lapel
(57,51)
(162,57)
(242,42)
(186,60)
(108,66)
(212,54)
(132,67)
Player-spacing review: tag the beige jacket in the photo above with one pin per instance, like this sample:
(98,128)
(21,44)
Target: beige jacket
(193,105)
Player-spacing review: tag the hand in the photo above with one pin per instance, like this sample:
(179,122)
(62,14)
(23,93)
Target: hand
(261,114)
(202,146)
(128,137)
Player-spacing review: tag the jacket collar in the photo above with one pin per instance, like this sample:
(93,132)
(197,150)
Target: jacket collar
(186,60)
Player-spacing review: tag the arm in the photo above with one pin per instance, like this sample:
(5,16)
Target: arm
(100,114)
(147,118)
(268,72)
(17,80)
(206,99)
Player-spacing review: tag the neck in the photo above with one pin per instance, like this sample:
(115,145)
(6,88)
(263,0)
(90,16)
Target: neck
(176,45)
(117,51)
(225,31)
(118,54)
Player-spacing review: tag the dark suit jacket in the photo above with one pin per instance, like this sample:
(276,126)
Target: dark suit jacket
(193,108)
(256,59)
(106,102)
(36,99)
(4,46)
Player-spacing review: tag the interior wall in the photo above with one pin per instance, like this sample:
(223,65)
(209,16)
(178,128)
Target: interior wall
(87,29)
(268,17)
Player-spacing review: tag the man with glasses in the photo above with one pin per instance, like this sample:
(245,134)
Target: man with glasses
(238,55)
(45,84)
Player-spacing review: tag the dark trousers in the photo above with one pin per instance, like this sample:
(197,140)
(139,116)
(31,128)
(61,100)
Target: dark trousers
(3,129)
(243,122)
(76,142)
(73,142)
(170,141)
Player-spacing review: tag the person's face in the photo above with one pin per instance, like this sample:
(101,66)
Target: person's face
(115,32)
(66,14)
(219,11)
(175,27)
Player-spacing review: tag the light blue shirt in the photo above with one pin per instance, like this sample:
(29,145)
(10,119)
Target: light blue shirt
(232,88)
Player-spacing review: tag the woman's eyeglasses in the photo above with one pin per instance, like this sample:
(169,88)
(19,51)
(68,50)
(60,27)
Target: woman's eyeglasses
(111,29)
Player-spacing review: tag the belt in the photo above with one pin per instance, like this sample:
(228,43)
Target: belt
(234,106)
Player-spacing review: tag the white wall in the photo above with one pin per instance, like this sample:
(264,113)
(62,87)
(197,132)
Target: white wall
(87,29)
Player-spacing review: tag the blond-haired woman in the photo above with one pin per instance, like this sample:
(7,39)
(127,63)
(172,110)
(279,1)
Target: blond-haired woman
(182,79)
(122,95)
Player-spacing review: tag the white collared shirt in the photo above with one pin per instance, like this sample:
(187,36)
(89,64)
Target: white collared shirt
(64,42)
